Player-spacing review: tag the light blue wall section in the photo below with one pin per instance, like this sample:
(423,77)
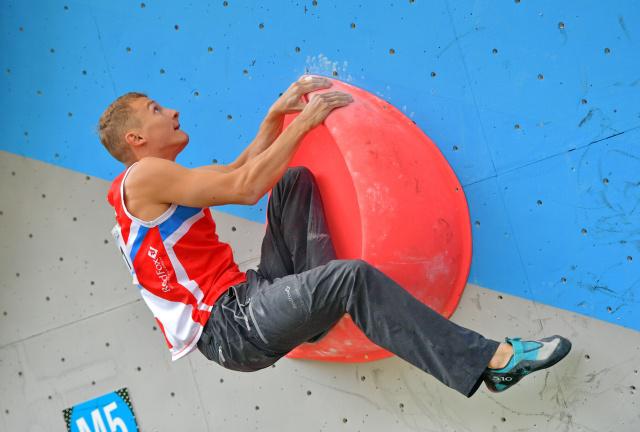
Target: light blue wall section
(534,105)
(528,230)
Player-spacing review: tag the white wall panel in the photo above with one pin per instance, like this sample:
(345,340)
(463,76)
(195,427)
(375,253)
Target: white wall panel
(104,333)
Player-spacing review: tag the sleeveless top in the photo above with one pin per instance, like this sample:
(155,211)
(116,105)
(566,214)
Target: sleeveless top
(178,263)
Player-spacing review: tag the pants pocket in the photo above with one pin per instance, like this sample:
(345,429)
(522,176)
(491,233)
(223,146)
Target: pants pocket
(233,346)
(279,316)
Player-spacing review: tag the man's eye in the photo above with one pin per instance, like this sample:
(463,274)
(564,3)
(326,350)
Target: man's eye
(155,108)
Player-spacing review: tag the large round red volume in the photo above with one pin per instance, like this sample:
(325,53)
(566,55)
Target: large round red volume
(391,199)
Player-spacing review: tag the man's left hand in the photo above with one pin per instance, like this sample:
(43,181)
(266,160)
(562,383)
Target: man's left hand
(291,100)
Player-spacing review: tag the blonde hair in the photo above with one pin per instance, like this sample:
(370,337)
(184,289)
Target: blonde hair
(113,124)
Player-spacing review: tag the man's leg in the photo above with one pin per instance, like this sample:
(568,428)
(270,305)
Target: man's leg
(301,291)
(289,310)
(297,237)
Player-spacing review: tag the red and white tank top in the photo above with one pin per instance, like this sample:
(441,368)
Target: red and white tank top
(178,263)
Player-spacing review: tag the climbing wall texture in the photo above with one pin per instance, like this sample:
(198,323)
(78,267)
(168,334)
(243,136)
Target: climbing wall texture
(533,104)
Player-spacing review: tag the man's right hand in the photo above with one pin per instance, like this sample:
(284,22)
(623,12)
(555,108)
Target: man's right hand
(320,105)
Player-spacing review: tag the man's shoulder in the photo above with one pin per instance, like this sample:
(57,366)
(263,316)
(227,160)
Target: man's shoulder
(149,166)
(149,178)
(151,162)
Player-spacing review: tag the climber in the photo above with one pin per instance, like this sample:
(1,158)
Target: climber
(246,321)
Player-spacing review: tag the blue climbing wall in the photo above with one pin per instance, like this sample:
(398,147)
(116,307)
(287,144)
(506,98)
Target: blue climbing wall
(534,105)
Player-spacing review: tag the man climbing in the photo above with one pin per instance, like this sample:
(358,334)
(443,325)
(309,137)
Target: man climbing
(247,321)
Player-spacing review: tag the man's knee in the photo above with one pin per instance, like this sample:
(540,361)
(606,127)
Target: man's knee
(361,264)
(301,172)
(356,264)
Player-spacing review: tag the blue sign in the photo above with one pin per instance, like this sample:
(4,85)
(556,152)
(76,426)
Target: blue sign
(111,412)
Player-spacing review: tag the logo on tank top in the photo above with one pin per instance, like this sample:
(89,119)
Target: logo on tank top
(161,270)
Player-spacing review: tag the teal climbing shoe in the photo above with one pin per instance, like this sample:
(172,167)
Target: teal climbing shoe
(528,356)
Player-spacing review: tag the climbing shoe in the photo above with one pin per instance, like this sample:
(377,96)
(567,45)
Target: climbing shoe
(528,356)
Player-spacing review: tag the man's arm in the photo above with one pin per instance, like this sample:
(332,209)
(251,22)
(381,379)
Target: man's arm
(219,168)
(269,130)
(265,162)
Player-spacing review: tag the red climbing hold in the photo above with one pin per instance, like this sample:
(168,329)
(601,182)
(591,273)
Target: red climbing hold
(391,199)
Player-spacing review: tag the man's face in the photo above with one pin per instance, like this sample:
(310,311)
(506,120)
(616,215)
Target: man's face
(159,126)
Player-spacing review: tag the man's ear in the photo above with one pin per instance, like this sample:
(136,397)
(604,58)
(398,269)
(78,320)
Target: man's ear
(133,139)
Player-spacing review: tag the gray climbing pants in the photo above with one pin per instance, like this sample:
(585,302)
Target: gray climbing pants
(300,290)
